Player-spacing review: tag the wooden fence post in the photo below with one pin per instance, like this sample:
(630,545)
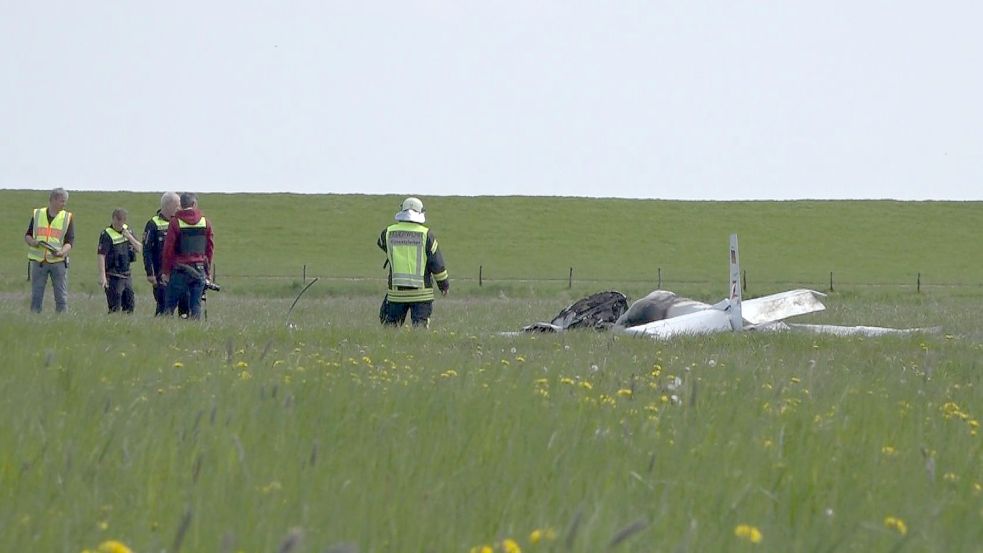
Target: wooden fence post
(479,276)
(570,279)
(660,279)
(303,275)
(831,281)
(919,286)
(744,280)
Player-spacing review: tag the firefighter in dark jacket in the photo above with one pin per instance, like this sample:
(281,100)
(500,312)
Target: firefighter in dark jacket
(415,263)
(117,249)
(187,259)
(154,234)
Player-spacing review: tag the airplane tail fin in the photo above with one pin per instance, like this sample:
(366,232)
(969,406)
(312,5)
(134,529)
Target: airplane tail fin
(734,297)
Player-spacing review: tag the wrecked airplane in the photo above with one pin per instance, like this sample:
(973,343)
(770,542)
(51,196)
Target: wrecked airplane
(663,314)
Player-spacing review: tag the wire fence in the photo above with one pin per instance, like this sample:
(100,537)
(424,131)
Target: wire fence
(826,282)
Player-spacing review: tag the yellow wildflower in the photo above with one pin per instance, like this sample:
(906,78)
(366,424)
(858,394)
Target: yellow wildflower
(950,477)
(889,451)
(242,365)
(748,533)
(896,524)
(624,392)
(178,364)
(113,546)
(586,385)
(510,546)
(245,375)
(482,549)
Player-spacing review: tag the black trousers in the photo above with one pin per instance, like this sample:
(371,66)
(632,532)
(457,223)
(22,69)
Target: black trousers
(394,314)
(119,294)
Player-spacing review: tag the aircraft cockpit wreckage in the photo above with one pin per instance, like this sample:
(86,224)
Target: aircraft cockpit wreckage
(663,314)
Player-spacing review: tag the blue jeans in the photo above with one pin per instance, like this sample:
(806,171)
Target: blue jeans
(59,282)
(180,286)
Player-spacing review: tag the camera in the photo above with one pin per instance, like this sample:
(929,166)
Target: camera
(212,286)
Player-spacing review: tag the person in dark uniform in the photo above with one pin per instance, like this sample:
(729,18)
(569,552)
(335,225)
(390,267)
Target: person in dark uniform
(117,249)
(187,258)
(415,263)
(154,234)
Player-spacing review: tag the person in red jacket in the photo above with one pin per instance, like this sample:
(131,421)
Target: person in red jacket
(187,256)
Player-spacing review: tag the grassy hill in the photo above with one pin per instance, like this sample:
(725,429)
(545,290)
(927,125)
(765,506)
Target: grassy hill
(607,242)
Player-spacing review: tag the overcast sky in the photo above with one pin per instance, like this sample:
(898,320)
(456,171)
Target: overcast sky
(689,100)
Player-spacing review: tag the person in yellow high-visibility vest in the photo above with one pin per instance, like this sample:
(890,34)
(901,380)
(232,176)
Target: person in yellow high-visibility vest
(117,249)
(50,235)
(415,264)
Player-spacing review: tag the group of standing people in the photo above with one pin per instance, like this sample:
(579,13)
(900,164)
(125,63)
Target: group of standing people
(177,250)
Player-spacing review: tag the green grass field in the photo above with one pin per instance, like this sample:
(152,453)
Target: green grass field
(237,434)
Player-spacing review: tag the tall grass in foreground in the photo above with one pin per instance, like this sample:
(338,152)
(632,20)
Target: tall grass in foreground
(233,434)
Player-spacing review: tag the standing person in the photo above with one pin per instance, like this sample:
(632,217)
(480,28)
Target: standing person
(50,235)
(187,257)
(117,249)
(415,262)
(154,234)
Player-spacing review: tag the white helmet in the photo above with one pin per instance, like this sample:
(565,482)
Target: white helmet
(411,210)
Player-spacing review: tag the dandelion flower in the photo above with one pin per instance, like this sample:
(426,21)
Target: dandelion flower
(242,365)
(510,546)
(889,451)
(624,392)
(178,364)
(113,546)
(896,524)
(539,535)
(748,533)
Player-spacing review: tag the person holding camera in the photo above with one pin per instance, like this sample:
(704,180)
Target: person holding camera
(117,249)
(50,235)
(187,257)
